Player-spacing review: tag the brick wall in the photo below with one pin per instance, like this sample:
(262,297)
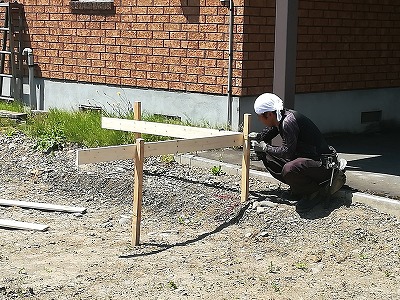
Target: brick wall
(348,44)
(183,44)
(163,44)
(258,46)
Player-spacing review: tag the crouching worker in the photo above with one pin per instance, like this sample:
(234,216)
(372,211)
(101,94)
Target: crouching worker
(304,161)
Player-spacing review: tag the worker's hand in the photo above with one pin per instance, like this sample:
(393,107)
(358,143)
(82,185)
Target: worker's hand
(260,146)
(255,136)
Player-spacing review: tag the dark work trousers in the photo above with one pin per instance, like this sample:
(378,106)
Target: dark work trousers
(303,175)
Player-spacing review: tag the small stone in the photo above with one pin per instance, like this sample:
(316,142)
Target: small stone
(124,220)
(248,234)
(318,268)
(267,203)
(260,209)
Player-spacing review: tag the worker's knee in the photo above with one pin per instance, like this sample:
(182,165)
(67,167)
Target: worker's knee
(290,168)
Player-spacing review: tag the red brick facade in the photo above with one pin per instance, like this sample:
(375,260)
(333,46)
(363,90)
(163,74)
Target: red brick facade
(348,44)
(182,45)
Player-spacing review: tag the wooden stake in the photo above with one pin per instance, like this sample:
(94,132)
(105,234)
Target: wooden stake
(137,115)
(245,158)
(137,192)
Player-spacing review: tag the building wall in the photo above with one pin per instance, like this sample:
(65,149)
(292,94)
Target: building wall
(348,45)
(180,47)
(177,45)
(182,44)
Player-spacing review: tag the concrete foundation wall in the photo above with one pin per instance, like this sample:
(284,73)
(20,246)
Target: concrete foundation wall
(331,111)
(194,107)
(341,111)
(336,112)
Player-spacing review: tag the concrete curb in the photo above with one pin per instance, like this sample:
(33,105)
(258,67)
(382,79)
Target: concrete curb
(385,205)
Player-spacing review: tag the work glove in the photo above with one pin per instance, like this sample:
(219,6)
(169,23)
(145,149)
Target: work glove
(260,146)
(255,136)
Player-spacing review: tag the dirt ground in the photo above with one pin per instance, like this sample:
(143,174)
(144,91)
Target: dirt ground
(197,240)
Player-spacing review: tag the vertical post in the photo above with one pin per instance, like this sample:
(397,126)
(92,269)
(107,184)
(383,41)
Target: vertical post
(245,158)
(284,83)
(137,115)
(137,192)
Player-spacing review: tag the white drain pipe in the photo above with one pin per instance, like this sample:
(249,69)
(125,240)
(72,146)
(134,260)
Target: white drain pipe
(31,77)
(230,62)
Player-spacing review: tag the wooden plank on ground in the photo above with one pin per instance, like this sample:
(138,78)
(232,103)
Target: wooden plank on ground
(12,115)
(22,225)
(104,154)
(173,130)
(42,206)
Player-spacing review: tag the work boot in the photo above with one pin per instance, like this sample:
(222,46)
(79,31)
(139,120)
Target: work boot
(323,194)
(306,203)
(289,195)
(339,179)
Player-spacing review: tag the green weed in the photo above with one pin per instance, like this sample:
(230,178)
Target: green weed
(217,171)
(272,268)
(301,266)
(276,287)
(15,106)
(167,158)
(172,285)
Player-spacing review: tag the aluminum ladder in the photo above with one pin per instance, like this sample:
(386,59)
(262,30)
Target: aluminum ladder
(11,60)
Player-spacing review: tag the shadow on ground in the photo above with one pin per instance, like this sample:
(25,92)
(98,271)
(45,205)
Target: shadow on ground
(375,152)
(154,248)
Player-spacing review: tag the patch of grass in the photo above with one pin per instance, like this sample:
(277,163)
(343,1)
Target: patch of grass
(10,131)
(276,287)
(11,106)
(217,171)
(167,158)
(363,255)
(273,269)
(301,266)
(56,127)
(172,285)
(14,106)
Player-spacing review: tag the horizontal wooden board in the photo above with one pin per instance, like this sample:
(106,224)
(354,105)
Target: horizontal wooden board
(42,206)
(12,114)
(172,130)
(103,154)
(6,223)
(191,145)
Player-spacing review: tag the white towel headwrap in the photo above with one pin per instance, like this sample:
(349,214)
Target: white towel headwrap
(268,102)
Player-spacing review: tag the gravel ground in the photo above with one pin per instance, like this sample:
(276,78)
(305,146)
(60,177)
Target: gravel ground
(197,240)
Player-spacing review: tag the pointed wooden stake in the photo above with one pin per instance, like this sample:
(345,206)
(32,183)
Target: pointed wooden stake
(137,192)
(137,115)
(245,158)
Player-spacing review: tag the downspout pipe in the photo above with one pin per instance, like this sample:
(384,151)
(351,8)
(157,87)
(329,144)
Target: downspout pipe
(31,76)
(230,59)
